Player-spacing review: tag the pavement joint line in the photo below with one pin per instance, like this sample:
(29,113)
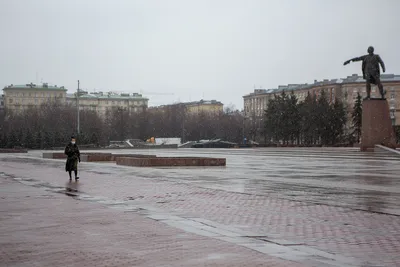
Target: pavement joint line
(268,247)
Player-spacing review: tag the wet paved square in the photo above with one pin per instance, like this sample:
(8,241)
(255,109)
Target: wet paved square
(312,207)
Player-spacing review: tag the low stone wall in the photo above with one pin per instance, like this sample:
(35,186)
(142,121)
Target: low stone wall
(115,156)
(84,156)
(13,150)
(52,155)
(170,161)
(141,160)
(95,157)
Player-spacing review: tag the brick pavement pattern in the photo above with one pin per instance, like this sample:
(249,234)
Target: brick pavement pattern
(39,228)
(371,237)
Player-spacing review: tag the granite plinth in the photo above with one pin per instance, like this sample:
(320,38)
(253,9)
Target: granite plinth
(377,126)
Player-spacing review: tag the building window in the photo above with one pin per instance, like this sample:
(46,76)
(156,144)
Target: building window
(36,101)
(392,96)
(10,100)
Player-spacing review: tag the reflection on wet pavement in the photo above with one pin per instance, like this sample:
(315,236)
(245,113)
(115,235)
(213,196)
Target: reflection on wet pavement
(339,193)
(316,175)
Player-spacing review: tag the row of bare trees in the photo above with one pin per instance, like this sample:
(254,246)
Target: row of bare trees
(51,125)
(313,121)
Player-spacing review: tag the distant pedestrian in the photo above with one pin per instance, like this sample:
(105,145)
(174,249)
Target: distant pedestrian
(73,156)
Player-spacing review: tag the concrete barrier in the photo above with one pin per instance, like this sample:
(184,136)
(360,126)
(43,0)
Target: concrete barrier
(170,161)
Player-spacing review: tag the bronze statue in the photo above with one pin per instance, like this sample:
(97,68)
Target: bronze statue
(371,71)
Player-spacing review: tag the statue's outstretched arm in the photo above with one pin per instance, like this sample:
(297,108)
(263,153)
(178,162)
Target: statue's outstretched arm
(354,59)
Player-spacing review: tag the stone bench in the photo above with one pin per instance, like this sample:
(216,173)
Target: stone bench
(170,161)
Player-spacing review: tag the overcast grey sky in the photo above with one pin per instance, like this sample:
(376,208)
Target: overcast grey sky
(211,49)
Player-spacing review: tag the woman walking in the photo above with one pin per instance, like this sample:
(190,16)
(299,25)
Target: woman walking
(73,156)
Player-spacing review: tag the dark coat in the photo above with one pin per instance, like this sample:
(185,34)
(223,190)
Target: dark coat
(73,156)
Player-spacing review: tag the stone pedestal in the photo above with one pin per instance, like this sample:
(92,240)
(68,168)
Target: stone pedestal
(377,126)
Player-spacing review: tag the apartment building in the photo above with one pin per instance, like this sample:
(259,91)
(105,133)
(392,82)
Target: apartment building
(101,102)
(195,107)
(18,98)
(345,89)
(206,106)
(255,103)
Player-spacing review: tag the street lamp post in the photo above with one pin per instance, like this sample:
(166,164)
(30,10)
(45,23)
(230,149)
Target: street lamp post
(244,140)
(77,106)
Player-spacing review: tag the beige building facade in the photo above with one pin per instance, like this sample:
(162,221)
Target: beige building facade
(206,106)
(195,107)
(18,98)
(103,102)
(255,103)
